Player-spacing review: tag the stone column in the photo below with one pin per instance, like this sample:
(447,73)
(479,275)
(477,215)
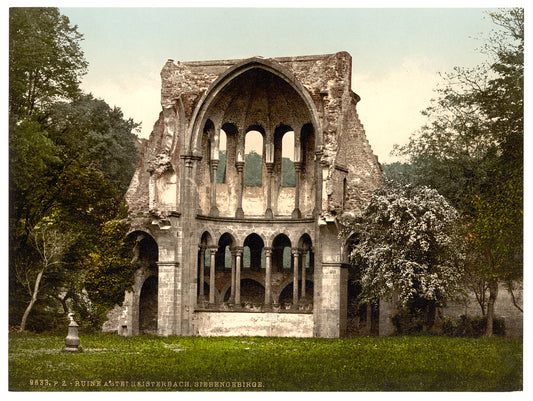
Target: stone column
(268,277)
(296,266)
(213,250)
(214,209)
(240,169)
(268,212)
(269,162)
(304,262)
(232,287)
(202,274)
(296,214)
(238,265)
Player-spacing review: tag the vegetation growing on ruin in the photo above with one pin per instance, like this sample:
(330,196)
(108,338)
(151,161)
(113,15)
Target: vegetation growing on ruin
(36,363)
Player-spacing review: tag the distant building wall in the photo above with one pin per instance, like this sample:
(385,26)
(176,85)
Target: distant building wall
(503,309)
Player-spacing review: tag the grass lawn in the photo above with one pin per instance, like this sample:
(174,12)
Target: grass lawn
(111,362)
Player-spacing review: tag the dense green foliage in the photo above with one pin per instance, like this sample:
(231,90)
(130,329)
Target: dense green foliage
(89,129)
(45,59)
(280,364)
(71,157)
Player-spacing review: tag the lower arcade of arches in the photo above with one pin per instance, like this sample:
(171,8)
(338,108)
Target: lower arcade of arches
(256,278)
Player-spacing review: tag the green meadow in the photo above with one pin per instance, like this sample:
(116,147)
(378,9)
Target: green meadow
(115,363)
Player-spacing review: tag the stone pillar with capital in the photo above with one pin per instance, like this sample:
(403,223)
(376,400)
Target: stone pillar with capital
(268,277)
(296,267)
(233,268)
(269,161)
(239,164)
(213,250)
(238,265)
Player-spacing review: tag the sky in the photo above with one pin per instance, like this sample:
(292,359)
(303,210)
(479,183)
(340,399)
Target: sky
(397,53)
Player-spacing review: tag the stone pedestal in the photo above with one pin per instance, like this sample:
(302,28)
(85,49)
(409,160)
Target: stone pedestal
(72,341)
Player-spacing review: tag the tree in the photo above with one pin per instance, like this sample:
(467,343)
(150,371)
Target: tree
(88,129)
(45,59)
(471,150)
(407,242)
(109,268)
(70,157)
(50,244)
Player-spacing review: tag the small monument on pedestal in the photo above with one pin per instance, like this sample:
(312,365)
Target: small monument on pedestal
(72,341)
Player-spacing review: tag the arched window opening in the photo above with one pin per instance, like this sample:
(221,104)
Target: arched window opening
(288,176)
(253,158)
(222,155)
(253,255)
(145,249)
(148,307)
(305,244)
(223,255)
(281,253)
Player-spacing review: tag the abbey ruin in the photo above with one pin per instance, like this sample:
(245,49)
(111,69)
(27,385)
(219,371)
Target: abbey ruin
(218,255)
(235,204)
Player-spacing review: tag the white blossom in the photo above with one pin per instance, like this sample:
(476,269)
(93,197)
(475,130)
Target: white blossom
(407,241)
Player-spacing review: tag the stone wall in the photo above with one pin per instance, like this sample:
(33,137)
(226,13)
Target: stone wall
(253,324)
(503,309)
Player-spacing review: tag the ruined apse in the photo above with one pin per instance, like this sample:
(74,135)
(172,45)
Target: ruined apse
(235,203)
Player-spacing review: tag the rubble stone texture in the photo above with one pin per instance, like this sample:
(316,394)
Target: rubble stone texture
(225,258)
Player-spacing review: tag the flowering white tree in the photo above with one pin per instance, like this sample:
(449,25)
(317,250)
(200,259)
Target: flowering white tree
(407,241)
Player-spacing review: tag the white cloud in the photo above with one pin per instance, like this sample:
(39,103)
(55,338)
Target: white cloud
(390,105)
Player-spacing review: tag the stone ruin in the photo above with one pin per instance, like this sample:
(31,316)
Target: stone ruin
(220,254)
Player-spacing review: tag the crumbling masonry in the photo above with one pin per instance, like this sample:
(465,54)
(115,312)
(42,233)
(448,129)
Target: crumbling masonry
(220,256)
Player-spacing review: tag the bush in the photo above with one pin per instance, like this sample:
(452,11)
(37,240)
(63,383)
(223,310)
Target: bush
(408,322)
(473,327)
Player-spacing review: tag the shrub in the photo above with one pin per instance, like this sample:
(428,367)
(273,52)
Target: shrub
(474,327)
(408,322)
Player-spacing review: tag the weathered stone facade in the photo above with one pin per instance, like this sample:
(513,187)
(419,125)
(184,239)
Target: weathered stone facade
(220,256)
